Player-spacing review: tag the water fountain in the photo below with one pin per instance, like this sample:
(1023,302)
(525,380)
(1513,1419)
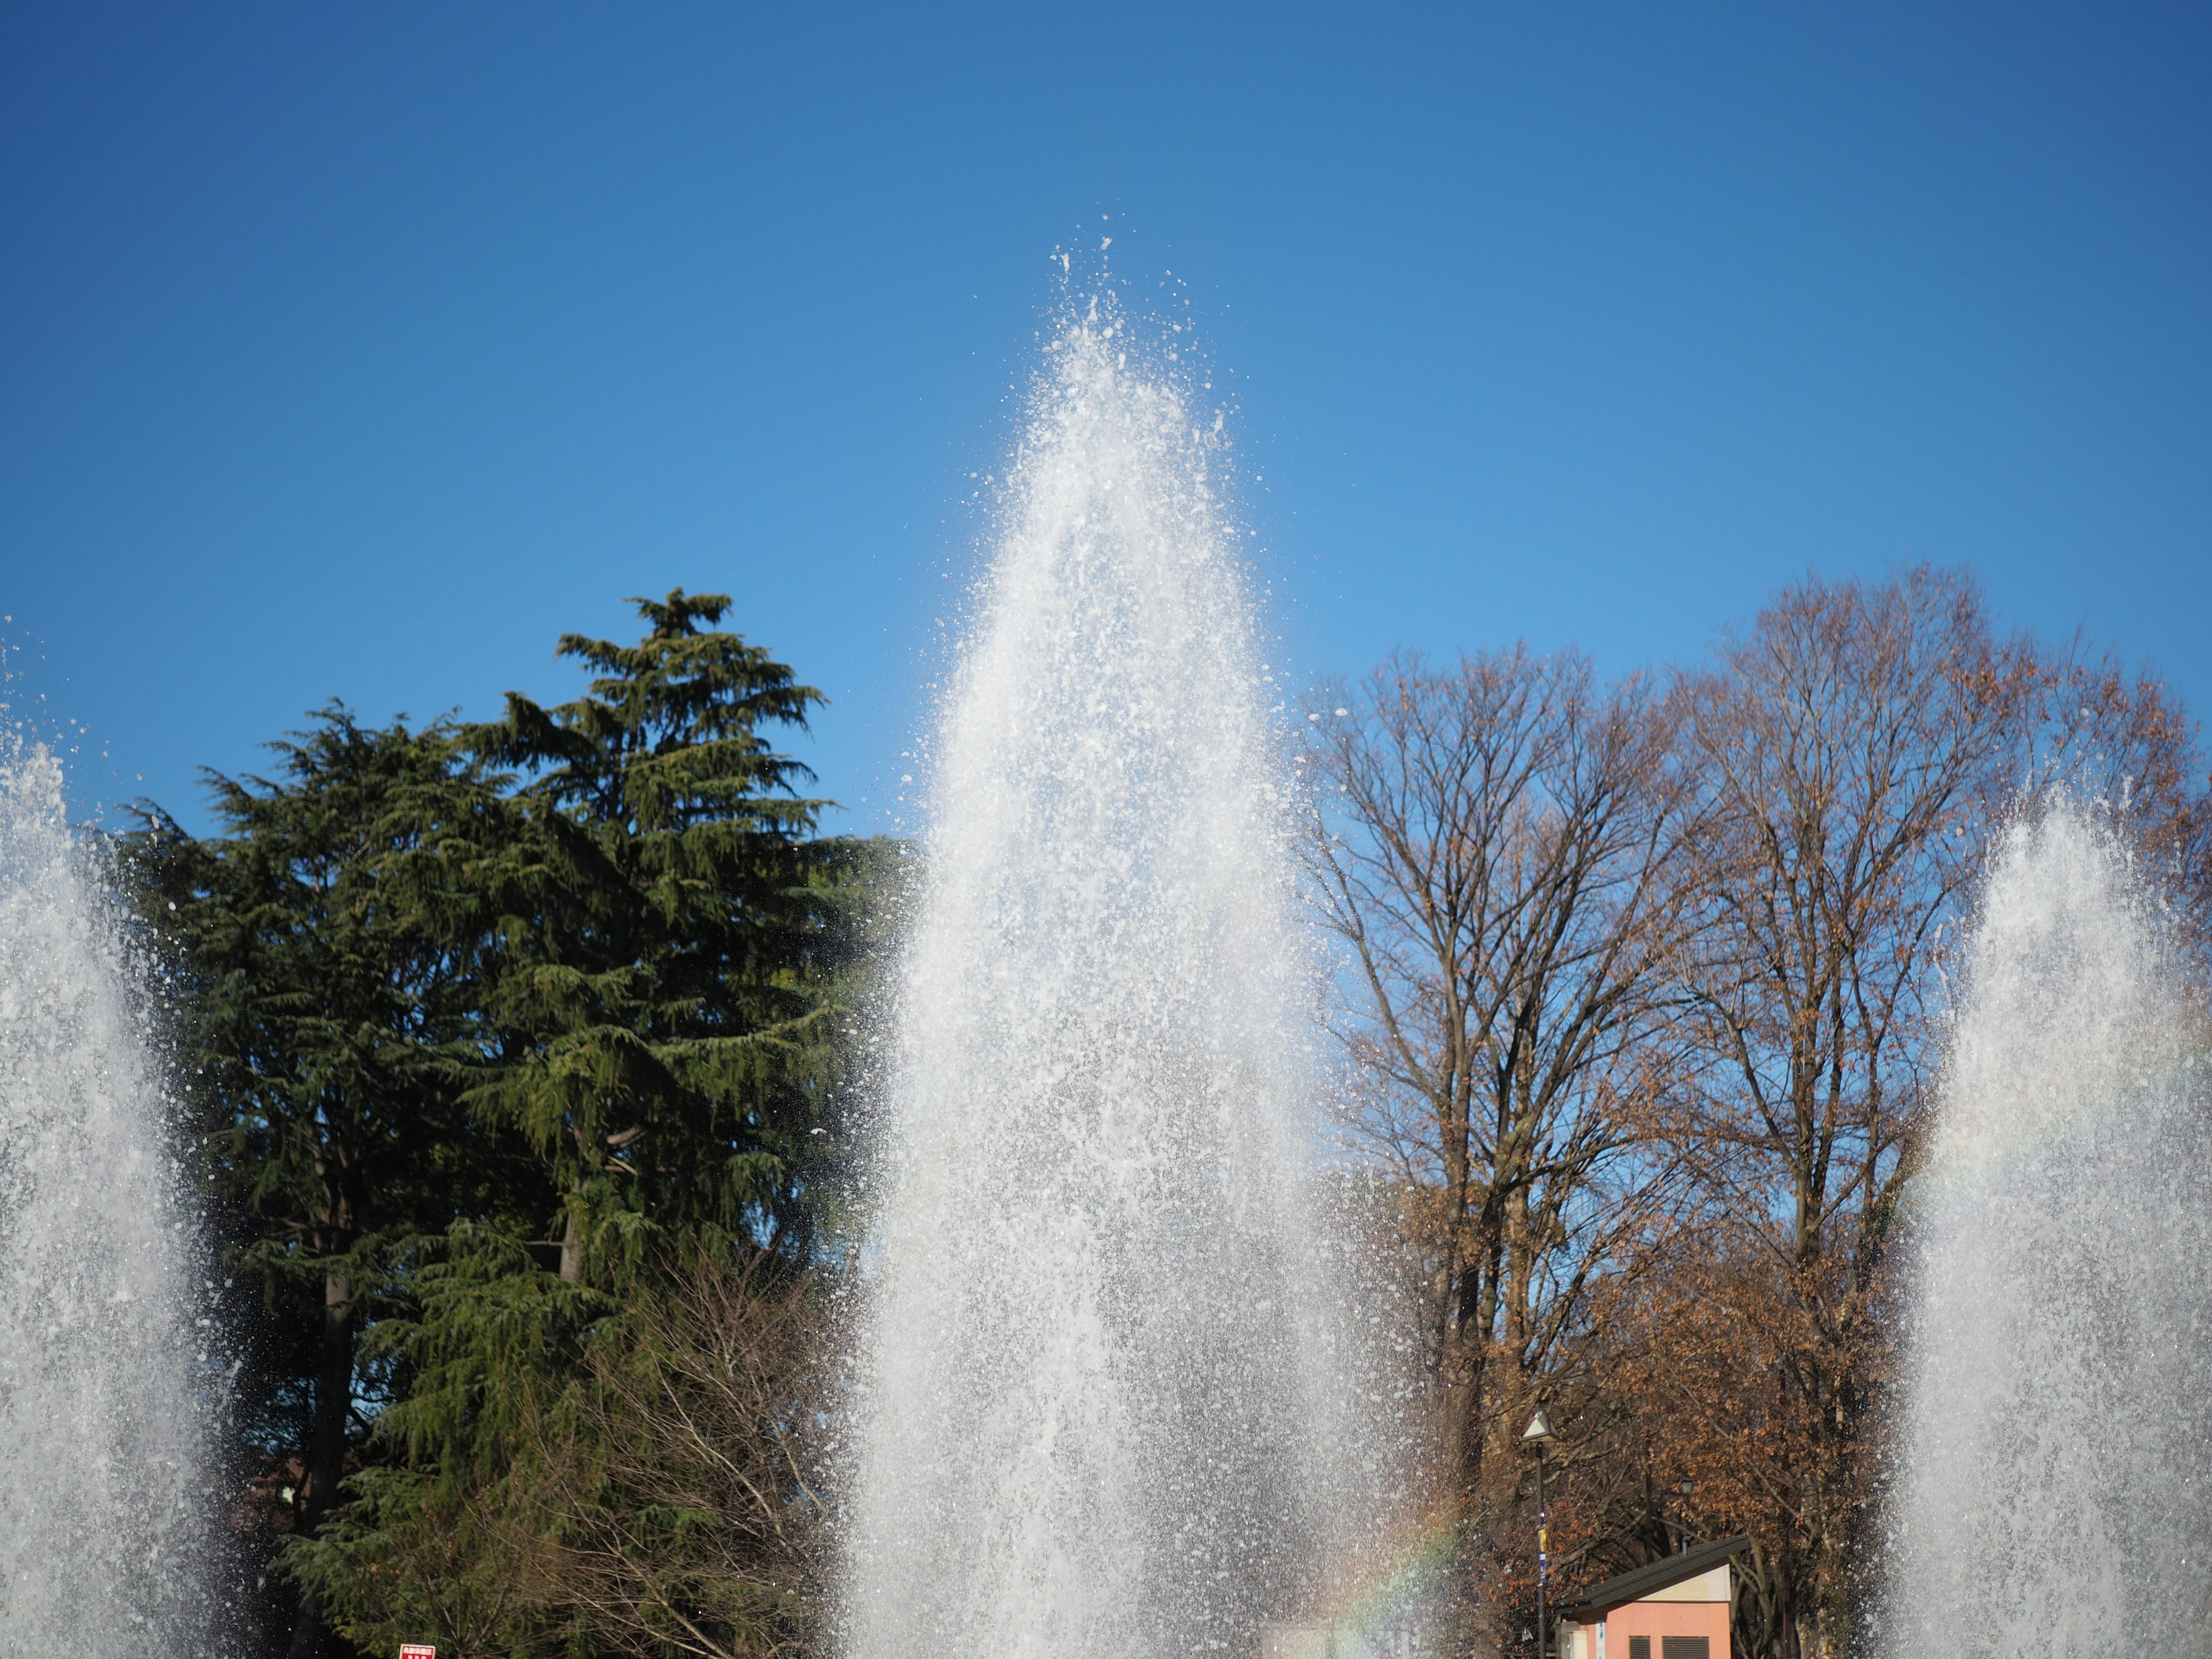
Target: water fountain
(1107,1403)
(99,1451)
(2052,1495)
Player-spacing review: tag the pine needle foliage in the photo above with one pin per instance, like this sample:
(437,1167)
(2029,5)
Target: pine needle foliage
(511,1037)
(662,1503)
(321,1033)
(656,936)
(324,1024)
(658,1012)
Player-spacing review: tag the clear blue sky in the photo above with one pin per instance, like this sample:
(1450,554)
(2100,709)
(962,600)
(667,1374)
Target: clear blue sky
(359,350)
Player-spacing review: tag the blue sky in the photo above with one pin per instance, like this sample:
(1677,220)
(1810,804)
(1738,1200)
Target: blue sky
(360,350)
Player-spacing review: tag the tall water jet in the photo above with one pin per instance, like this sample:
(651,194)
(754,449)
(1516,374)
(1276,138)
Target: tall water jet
(2054,1486)
(100,1450)
(1103,1407)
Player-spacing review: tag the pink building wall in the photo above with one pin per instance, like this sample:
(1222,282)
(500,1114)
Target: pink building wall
(1661,1618)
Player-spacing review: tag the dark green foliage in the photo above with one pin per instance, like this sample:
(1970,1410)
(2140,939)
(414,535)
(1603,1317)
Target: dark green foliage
(658,1499)
(319,1024)
(323,1036)
(465,1005)
(659,1005)
(403,1563)
(482,1331)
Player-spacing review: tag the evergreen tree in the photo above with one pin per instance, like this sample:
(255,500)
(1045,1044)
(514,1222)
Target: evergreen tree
(656,935)
(438,987)
(322,1034)
(660,1005)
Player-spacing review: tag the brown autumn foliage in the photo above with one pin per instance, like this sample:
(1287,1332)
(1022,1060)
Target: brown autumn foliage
(1855,743)
(1496,843)
(1686,1254)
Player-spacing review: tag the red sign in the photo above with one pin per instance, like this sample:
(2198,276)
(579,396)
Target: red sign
(417,1650)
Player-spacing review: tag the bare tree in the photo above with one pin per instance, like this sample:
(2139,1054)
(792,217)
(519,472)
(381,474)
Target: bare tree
(1643,995)
(1498,847)
(675,1510)
(1857,741)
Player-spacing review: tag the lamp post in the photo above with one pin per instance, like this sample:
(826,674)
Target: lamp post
(1540,1431)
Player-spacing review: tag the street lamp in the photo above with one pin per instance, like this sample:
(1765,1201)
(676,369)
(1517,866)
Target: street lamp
(1539,1431)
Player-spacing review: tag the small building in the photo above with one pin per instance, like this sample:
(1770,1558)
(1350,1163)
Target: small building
(1675,1608)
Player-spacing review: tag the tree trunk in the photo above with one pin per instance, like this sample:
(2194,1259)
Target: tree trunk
(572,1250)
(326,1446)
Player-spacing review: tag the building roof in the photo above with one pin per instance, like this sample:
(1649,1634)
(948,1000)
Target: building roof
(1640,1582)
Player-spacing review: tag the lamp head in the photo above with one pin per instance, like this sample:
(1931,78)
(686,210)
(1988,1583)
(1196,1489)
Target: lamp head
(1539,1429)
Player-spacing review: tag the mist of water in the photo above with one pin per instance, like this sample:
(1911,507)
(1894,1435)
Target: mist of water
(99,1446)
(2055,1468)
(1108,1406)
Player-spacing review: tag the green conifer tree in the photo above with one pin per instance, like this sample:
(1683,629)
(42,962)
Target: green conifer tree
(657,933)
(323,1035)
(660,1006)
(437,988)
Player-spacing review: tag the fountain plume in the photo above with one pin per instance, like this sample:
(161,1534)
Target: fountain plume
(101,1467)
(1105,1402)
(2052,1495)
